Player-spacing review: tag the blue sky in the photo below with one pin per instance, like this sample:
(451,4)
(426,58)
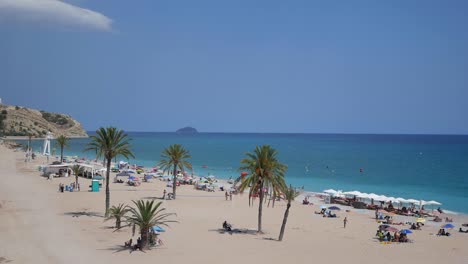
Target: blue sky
(241,66)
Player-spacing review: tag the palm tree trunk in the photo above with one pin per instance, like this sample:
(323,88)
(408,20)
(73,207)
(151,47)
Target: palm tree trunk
(107,187)
(285,219)
(117,222)
(61,154)
(76,179)
(174,181)
(144,237)
(260,210)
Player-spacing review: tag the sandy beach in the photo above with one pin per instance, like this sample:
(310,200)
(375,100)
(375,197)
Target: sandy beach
(40,225)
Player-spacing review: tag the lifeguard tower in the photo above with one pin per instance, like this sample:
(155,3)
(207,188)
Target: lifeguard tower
(46,148)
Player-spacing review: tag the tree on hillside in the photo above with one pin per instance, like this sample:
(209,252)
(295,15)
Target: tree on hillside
(175,157)
(145,215)
(289,195)
(62,142)
(266,173)
(108,143)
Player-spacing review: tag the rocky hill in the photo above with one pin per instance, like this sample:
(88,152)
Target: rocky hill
(22,121)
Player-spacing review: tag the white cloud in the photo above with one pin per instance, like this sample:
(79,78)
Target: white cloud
(52,13)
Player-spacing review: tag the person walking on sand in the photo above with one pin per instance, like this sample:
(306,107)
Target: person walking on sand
(226,195)
(164,194)
(230,195)
(345,221)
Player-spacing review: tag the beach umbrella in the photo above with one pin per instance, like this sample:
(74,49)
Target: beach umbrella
(433,203)
(448,226)
(420,220)
(401,200)
(413,201)
(158,229)
(98,178)
(330,191)
(354,193)
(390,229)
(406,231)
(334,208)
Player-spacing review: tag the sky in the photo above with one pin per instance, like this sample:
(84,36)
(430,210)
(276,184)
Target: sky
(240,66)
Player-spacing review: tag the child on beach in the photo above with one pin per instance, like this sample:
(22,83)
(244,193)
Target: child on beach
(345,221)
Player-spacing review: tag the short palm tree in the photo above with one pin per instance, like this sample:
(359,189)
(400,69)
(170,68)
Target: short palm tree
(265,173)
(118,213)
(289,195)
(77,170)
(145,215)
(110,142)
(62,142)
(175,157)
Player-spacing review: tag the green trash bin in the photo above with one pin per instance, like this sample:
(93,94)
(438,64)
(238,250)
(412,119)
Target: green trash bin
(95,185)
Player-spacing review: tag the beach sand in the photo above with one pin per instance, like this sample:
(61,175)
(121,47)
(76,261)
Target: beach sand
(40,225)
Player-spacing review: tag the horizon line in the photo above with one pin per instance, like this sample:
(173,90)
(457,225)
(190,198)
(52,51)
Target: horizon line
(301,133)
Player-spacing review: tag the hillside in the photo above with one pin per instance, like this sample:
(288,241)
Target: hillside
(22,121)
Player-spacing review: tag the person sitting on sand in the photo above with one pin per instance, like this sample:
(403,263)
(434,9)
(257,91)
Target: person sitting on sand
(396,237)
(128,244)
(448,219)
(461,230)
(305,201)
(227,226)
(437,219)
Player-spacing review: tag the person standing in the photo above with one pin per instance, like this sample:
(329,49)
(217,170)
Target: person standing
(230,195)
(345,221)
(226,195)
(164,194)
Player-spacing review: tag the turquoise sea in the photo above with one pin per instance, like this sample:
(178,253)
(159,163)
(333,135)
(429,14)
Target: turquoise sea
(428,167)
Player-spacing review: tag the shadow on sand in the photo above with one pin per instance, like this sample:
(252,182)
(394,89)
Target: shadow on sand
(242,231)
(84,213)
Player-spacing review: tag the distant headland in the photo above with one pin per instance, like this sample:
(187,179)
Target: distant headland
(187,130)
(16,121)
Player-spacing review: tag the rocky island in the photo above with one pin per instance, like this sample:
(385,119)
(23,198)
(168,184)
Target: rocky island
(187,130)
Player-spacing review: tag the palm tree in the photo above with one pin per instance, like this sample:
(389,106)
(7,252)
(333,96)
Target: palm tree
(175,157)
(117,212)
(62,141)
(146,214)
(289,195)
(77,170)
(110,142)
(265,173)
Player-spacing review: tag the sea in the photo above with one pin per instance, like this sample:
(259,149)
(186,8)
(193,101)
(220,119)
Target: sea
(421,167)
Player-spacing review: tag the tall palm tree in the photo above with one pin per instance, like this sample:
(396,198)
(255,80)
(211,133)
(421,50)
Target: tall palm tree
(289,195)
(117,212)
(77,170)
(62,142)
(175,157)
(266,173)
(146,214)
(110,142)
